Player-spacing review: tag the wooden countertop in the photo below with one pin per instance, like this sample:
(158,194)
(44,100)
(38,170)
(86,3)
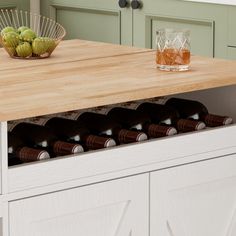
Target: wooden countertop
(70,50)
(95,74)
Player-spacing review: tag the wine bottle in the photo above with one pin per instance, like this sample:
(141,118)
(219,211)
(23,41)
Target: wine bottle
(37,136)
(136,120)
(19,153)
(102,125)
(166,115)
(72,131)
(195,110)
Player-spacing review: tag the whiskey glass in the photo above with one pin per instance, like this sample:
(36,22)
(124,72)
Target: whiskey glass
(173,49)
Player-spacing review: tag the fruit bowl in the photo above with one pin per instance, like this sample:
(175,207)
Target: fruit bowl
(25,35)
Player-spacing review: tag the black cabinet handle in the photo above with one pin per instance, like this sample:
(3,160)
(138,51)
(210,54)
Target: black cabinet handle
(135,4)
(123,3)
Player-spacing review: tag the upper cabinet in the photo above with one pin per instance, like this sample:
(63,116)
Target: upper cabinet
(98,20)
(12,4)
(134,22)
(206,22)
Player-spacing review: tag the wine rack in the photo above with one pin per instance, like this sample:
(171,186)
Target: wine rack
(154,153)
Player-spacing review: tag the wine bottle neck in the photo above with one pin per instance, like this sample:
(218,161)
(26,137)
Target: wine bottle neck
(27,154)
(186,125)
(93,142)
(156,131)
(215,120)
(129,136)
(63,148)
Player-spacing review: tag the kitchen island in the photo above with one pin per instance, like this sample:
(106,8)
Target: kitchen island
(133,189)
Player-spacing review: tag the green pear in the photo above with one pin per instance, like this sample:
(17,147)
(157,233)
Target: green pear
(7,30)
(22,29)
(11,39)
(24,49)
(42,45)
(28,35)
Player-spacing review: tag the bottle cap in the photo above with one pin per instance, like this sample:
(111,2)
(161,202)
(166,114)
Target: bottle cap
(110,143)
(228,121)
(77,149)
(43,155)
(142,137)
(200,125)
(171,131)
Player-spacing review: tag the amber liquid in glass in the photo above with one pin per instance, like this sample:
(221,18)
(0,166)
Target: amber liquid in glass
(173,57)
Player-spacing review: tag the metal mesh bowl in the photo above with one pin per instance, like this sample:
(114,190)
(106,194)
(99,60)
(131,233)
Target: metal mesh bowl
(26,35)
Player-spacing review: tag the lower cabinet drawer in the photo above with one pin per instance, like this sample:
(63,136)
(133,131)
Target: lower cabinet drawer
(195,199)
(114,208)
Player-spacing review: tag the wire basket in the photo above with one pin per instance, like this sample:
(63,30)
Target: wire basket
(26,35)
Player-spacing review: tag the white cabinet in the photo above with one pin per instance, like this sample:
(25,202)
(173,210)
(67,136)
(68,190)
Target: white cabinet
(197,199)
(114,208)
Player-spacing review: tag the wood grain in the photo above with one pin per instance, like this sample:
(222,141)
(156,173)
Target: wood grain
(75,84)
(69,51)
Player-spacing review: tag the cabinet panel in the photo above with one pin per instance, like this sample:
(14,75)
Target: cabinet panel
(232,26)
(231,53)
(20,4)
(91,24)
(207,23)
(101,20)
(118,208)
(203,45)
(197,199)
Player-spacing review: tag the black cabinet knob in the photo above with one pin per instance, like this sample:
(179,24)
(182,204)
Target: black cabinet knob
(123,3)
(135,4)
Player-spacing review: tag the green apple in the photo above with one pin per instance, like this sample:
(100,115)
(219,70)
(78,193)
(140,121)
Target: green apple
(42,45)
(11,51)
(22,29)
(11,39)
(28,35)
(51,44)
(24,49)
(7,30)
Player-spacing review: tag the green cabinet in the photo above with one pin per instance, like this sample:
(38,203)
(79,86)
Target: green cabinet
(205,22)
(12,4)
(98,20)
(212,26)
(231,50)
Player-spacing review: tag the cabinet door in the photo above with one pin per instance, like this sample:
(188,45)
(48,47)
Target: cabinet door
(231,52)
(114,208)
(198,199)
(97,20)
(207,24)
(11,4)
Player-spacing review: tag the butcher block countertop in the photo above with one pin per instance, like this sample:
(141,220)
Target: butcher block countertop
(82,74)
